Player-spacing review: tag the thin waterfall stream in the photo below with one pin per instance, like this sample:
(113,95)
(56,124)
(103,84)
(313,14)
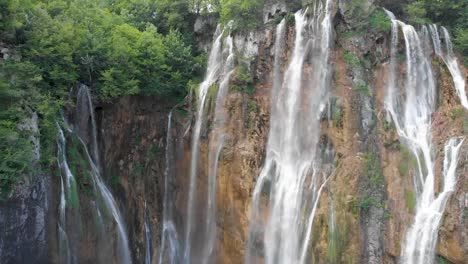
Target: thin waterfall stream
(216,144)
(105,201)
(170,244)
(449,58)
(148,241)
(68,192)
(219,70)
(412,118)
(212,72)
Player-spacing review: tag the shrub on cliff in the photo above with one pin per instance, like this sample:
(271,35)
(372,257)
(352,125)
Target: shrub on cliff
(452,14)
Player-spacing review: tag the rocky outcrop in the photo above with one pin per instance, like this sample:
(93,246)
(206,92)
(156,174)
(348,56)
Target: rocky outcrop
(25,217)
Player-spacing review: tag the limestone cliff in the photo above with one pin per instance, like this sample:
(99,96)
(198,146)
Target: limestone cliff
(370,188)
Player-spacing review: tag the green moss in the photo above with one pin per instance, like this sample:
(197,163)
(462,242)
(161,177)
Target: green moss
(79,166)
(153,151)
(403,168)
(373,172)
(353,33)
(212,92)
(182,112)
(252,108)
(114,180)
(387,214)
(354,208)
(335,244)
(387,126)
(367,202)
(457,112)
(337,116)
(465,213)
(351,59)
(290,19)
(139,169)
(72,196)
(410,200)
(361,87)
(336,112)
(243,77)
(137,140)
(442,260)
(407,161)
(401,56)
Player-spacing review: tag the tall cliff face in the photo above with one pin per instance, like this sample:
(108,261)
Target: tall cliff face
(133,132)
(369,202)
(27,217)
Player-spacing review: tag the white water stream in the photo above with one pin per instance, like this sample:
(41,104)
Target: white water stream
(289,186)
(411,107)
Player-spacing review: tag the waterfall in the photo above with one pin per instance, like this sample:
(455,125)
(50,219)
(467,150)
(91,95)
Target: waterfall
(169,233)
(148,242)
(422,236)
(278,52)
(412,118)
(85,109)
(289,186)
(67,192)
(105,201)
(216,144)
(212,72)
(450,60)
(108,202)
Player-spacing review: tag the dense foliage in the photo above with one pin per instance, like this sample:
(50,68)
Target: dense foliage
(244,14)
(118,48)
(129,47)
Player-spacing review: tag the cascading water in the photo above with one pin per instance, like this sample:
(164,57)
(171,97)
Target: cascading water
(220,68)
(106,199)
(104,202)
(84,108)
(148,242)
(278,52)
(212,72)
(412,118)
(450,60)
(169,236)
(216,144)
(289,186)
(68,192)
(108,202)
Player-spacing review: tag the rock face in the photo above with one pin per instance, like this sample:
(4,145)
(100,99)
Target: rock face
(369,192)
(25,218)
(25,223)
(133,136)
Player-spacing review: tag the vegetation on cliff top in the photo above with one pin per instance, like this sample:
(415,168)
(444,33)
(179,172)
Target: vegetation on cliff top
(127,47)
(118,48)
